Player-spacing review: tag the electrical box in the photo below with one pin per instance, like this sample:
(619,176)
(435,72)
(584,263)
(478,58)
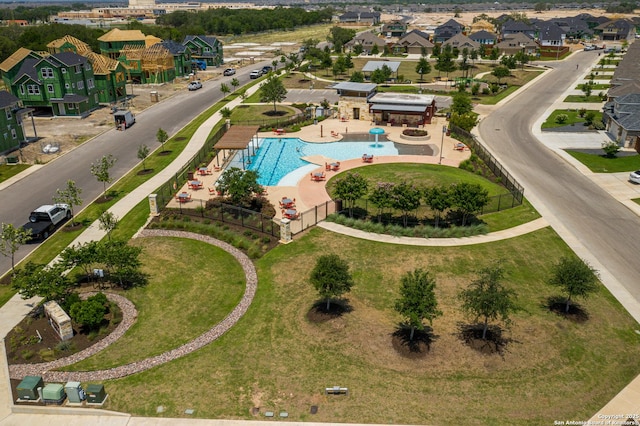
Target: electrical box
(74,392)
(53,393)
(96,394)
(28,388)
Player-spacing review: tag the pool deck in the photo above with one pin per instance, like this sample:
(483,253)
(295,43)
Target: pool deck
(310,193)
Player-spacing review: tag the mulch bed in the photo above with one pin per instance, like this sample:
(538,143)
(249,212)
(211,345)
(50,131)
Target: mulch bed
(493,343)
(415,348)
(319,312)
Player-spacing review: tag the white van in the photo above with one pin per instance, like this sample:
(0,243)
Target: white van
(124,119)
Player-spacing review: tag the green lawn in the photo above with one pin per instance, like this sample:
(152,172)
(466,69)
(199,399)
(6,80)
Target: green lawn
(595,86)
(9,170)
(582,98)
(277,359)
(602,164)
(261,114)
(573,117)
(192,286)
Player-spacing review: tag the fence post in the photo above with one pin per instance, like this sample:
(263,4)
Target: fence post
(499,200)
(241,218)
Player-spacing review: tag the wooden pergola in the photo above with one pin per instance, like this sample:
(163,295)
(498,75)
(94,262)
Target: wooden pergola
(239,138)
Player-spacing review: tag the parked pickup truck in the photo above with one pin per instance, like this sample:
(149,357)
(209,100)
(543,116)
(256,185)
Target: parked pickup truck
(44,220)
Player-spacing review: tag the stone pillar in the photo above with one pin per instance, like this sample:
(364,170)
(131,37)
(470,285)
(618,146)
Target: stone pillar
(285,231)
(153,205)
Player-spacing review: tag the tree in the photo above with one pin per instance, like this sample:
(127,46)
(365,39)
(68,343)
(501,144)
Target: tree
(123,262)
(381,196)
(89,313)
(468,198)
(500,72)
(357,49)
(445,61)
(494,54)
(224,89)
(239,185)
(487,299)
(10,241)
(437,198)
(235,83)
(522,58)
(50,283)
(461,103)
(575,277)
(509,61)
(101,170)
(417,300)
(272,90)
(143,153)
(406,198)
(375,49)
(348,63)
(587,89)
(540,7)
(464,64)
(350,188)
(464,121)
(108,222)
(274,64)
(162,137)
(331,277)
(610,148)
(226,112)
(357,77)
(70,195)
(423,67)
(338,36)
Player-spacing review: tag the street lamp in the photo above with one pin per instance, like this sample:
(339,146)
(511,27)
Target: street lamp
(444,130)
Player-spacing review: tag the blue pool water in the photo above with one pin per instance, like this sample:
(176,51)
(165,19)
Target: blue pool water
(278,157)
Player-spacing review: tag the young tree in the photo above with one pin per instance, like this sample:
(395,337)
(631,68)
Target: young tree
(575,277)
(468,198)
(331,277)
(501,72)
(487,299)
(50,283)
(437,198)
(143,153)
(272,90)
(375,49)
(423,67)
(123,262)
(464,121)
(226,112)
(350,188)
(348,63)
(357,77)
(445,61)
(224,89)
(522,58)
(274,64)
(10,241)
(381,197)
(338,36)
(494,54)
(239,185)
(406,198)
(108,222)
(357,49)
(70,195)
(417,300)
(461,103)
(235,83)
(162,137)
(101,170)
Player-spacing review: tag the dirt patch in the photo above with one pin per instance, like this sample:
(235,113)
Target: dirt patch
(414,347)
(319,312)
(493,343)
(558,305)
(24,346)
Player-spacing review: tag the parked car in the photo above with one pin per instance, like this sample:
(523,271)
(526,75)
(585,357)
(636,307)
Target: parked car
(194,85)
(634,176)
(255,74)
(44,220)
(267,69)
(586,48)
(229,71)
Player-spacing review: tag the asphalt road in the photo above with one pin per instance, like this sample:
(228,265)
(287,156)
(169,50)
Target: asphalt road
(593,223)
(39,187)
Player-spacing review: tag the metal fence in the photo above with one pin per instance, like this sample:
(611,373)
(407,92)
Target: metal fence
(492,163)
(273,123)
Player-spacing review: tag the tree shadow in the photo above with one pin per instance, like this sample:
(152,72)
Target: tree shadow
(319,313)
(415,348)
(144,172)
(557,305)
(277,113)
(494,342)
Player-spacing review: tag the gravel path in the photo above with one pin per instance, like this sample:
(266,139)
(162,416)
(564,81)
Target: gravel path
(129,314)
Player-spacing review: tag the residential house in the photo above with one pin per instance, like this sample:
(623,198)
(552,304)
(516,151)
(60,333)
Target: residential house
(111,43)
(447,30)
(551,35)
(622,119)
(394,29)
(11,122)
(512,27)
(367,40)
(414,42)
(181,56)
(480,25)
(620,29)
(518,42)
(485,38)
(62,83)
(205,48)
(461,41)
(370,18)
(575,28)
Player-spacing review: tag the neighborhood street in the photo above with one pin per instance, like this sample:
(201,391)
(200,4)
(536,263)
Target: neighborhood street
(598,228)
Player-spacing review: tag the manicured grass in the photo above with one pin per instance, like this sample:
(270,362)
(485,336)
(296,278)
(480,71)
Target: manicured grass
(10,170)
(278,360)
(422,175)
(260,114)
(573,117)
(601,164)
(192,286)
(595,86)
(509,218)
(582,98)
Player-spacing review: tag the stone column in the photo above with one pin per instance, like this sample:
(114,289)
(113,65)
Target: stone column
(285,231)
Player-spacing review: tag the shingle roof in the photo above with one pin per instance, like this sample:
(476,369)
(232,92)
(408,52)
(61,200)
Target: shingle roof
(174,47)
(70,97)
(69,58)
(28,69)
(482,35)
(7,99)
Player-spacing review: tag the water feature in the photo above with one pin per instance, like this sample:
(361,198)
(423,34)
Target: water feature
(376,131)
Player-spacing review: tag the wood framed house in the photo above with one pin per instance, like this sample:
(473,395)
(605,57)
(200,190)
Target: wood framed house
(414,42)
(205,48)
(112,43)
(394,29)
(11,122)
(148,65)
(181,56)
(447,30)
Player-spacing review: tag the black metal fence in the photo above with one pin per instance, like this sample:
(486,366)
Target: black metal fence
(273,123)
(492,163)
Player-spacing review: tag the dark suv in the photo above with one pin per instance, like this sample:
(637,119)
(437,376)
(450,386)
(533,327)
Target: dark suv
(267,69)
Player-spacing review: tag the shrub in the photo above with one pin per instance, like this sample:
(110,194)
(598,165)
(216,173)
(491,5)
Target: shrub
(27,355)
(63,346)
(610,149)
(582,112)
(415,132)
(486,91)
(562,118)
(47,354)
(475,89)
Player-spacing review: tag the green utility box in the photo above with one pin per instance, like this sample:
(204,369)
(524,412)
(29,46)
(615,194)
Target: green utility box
(96,394)
(28,388)
(74,392)
(53,393)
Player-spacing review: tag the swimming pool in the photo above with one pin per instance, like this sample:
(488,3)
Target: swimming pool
(278,161)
